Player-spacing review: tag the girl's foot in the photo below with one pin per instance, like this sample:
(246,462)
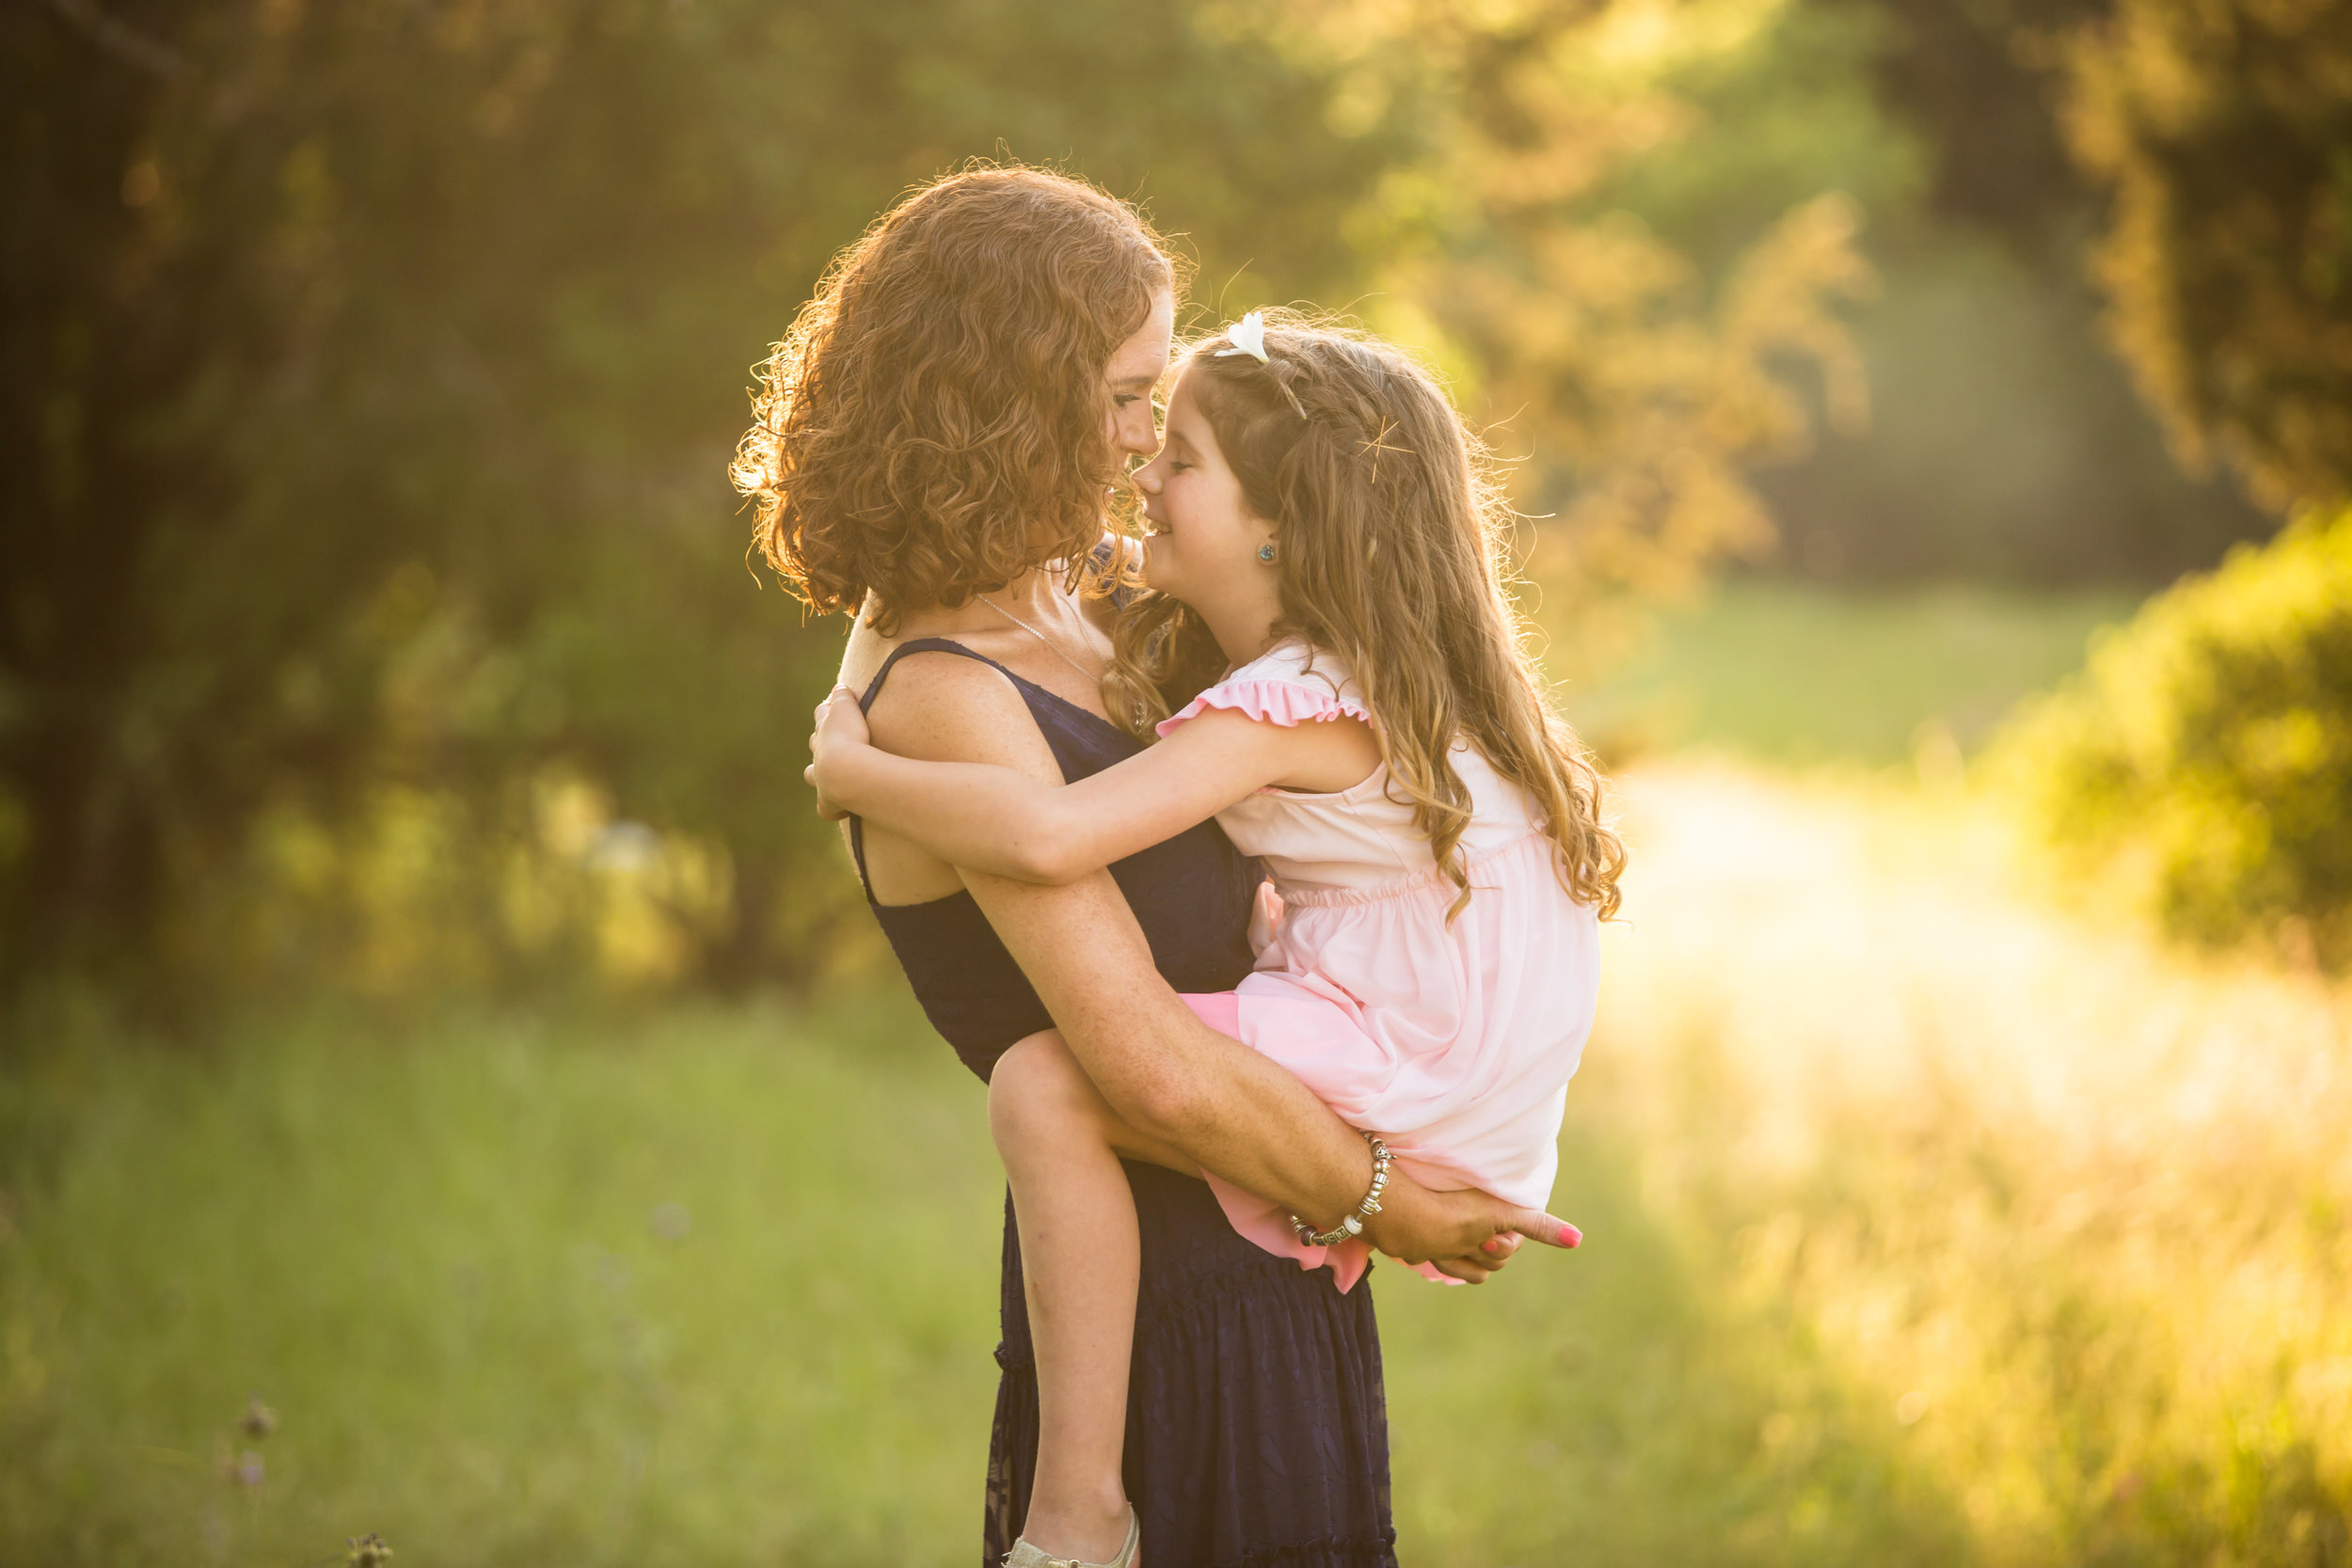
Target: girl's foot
(1025,1555)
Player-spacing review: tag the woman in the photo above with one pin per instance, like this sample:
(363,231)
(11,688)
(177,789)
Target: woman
(933,441)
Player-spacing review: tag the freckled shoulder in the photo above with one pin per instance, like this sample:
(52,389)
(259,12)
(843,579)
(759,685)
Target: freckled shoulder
(944,707)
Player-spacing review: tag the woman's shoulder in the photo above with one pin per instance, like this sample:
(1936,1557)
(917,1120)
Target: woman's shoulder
(928,699)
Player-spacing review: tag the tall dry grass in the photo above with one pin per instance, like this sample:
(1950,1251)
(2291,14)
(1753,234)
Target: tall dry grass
(2074,1209)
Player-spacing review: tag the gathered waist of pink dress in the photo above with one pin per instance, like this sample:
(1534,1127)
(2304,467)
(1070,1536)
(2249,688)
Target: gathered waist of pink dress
(1297,895)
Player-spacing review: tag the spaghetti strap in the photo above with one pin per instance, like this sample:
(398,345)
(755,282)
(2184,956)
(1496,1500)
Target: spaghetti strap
(925,646)
(866,702)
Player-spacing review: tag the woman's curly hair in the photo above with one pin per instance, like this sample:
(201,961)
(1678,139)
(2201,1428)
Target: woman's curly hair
(1393,540)
(933,425)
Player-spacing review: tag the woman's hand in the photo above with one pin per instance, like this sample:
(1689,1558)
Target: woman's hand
(840,730)
(1467,1235)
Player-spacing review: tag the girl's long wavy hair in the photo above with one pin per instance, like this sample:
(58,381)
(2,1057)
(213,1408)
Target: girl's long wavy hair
(933,425)
(1394,538)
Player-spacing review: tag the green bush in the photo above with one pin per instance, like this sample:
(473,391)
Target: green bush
(2205,756)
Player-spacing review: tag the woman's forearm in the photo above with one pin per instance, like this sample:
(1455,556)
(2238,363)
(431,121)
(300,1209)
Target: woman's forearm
(1233,1111)
(1239,1115)
(1169,1074)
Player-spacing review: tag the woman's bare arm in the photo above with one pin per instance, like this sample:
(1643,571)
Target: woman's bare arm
(1172,1077)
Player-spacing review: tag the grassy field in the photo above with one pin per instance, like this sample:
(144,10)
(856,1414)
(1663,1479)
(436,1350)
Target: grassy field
(1927,1225)
(697,1287)
(1785,674)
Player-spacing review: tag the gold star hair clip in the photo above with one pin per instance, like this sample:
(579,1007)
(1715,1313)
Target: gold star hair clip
(1379,444)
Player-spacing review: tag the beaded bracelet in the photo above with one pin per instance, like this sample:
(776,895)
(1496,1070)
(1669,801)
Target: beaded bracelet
(1354,1225)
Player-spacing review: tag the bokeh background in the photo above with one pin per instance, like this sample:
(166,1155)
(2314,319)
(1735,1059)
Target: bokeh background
(449,1087)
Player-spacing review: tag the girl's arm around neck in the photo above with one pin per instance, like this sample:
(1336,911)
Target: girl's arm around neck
(1009,824)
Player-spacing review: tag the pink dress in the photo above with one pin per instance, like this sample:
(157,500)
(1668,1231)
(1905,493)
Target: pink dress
(1454,1043)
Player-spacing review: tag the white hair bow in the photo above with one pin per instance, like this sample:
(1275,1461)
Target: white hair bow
(1247,336)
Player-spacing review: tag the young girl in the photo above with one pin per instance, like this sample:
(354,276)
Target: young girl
(1321,531)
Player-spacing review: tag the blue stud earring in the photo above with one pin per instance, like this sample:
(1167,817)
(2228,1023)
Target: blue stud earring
(1266,553)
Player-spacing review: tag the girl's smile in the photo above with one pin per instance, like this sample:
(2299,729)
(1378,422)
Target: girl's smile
(1205,542)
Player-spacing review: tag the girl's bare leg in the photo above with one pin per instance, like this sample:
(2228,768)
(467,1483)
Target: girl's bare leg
(1080,1257)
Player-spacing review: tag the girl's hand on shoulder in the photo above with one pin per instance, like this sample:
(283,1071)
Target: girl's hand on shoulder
(841,732)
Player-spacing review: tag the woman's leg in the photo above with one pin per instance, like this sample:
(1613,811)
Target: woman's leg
(1061,1146)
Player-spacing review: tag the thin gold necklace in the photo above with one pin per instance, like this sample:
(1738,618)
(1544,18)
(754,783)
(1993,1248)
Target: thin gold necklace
(1091,675)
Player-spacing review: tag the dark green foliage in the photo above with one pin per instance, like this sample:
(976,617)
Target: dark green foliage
(371,369)
(2222,132)
(1963,78)
(376,599)
(2005,442)
(2207,751)
(371,378)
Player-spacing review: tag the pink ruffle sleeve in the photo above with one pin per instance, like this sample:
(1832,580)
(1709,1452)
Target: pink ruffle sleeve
(1271,701)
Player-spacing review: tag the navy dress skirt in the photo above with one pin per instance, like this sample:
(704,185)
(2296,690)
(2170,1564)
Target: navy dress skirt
(1257,1428)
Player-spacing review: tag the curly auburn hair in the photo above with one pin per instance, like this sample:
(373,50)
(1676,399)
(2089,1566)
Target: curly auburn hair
(1393,539)
(933,425)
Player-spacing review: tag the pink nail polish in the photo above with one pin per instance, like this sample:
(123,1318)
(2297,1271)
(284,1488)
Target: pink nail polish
(1570,1236)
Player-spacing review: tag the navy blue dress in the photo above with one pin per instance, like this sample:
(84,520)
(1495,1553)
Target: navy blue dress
(1257,1426)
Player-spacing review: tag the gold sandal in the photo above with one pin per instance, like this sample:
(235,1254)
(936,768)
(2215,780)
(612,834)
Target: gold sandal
(1023,1554)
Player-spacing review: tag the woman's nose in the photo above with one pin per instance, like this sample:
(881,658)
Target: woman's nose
(1136,431)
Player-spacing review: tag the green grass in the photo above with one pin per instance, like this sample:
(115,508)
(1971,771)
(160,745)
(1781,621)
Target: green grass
(442,1254)
(1927,1227)
(439,1253)
(1783,672)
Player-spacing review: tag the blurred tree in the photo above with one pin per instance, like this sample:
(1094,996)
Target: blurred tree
(1965,78)
(2205,756)
(373,368)
(2223,133)
(368,549)
(1640,377)
(2005,442)
(81,483)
